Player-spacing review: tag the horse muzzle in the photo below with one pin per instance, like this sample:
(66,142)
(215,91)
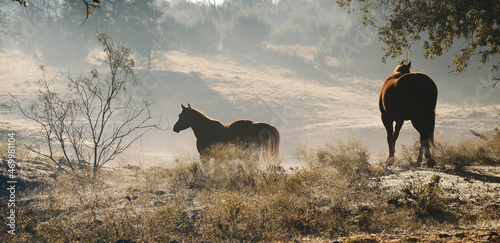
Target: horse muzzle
(176,128)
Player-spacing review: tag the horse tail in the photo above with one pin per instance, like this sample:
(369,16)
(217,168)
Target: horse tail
(267,138)
(273,145)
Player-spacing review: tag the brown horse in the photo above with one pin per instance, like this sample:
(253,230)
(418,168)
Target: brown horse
(209,132)
(409,96)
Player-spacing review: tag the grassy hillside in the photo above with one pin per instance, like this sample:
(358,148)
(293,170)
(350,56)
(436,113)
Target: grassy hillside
(308,106)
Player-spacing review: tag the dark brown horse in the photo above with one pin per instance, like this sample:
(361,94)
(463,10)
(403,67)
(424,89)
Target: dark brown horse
(209,132)
(409,96)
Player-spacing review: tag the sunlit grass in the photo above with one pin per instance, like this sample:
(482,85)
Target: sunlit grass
(234,197)
(482,150)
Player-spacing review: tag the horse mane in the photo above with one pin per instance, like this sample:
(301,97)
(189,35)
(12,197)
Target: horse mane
(396,74)
(199,114)
(401,67)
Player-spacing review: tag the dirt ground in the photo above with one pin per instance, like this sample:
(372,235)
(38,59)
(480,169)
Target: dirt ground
(476,183)
(471,235)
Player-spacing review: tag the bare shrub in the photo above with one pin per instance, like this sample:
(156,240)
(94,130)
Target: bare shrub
(94,120)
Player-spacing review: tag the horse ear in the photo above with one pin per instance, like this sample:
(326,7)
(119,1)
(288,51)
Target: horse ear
(183,107)
(409,64)
(402,62)
(189,105)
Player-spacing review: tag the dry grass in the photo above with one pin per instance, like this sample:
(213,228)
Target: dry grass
(234,198)
(483,150)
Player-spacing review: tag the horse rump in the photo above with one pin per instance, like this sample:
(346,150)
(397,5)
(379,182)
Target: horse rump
(259,134)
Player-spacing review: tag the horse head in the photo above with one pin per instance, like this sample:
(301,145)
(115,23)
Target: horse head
(402,68)
(184,121)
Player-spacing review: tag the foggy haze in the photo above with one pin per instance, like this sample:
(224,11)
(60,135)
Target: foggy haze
(306,67)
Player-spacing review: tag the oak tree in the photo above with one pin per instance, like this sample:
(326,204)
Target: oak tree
(438,24)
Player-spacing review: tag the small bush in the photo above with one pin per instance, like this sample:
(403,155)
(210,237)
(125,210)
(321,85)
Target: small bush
(224,167)
(424,198)
(349,160)
(488,149)
(484,149)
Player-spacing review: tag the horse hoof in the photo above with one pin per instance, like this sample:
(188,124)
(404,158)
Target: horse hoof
(418,163)
(390,161)
(431,163)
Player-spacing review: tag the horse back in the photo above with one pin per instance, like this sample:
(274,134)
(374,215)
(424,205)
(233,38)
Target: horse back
(244,129)
(258,133)
(418,86)
(408,93)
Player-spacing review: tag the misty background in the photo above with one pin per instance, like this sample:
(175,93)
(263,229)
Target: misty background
(306,67)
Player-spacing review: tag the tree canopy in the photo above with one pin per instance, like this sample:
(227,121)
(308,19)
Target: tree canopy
(474,24)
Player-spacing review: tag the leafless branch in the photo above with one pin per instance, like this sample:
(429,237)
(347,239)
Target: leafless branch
(96,119)
(89,5)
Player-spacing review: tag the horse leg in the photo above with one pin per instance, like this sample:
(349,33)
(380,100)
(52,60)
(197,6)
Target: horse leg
(202,150)
(204,158)
(428,138)
(426,130)
(397,128)
(418,125)
(425,142)
(423,146)
(388,124)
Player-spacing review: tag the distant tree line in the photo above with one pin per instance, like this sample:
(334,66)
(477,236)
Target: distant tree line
(150,27)
(53,29)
